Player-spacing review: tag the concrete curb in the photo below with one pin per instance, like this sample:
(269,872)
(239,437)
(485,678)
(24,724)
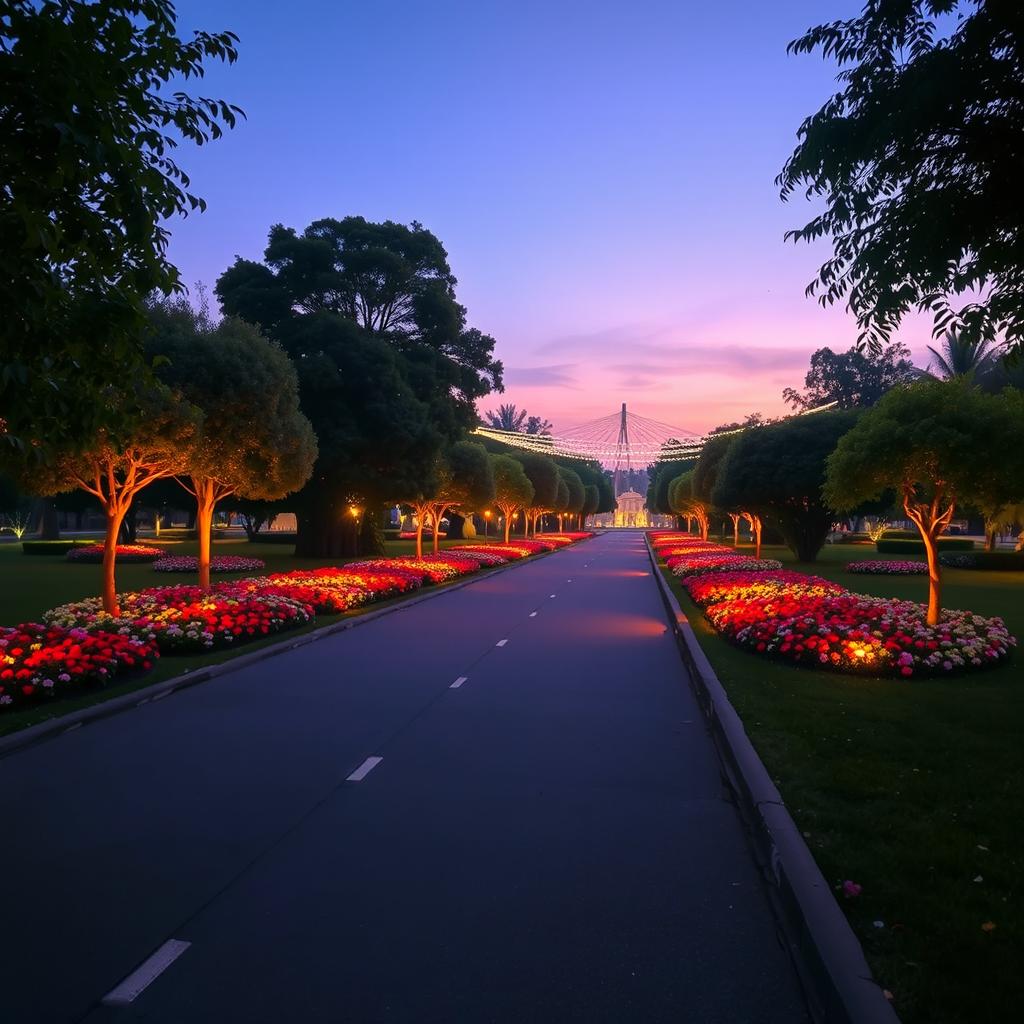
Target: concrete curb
(836,978)
(43,731)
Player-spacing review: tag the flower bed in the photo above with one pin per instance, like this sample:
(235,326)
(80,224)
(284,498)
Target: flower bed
(435,569)
(514,549)
(93,553)
(331,591)
(38,662)
(884,567)
(218,563)
(812,621)
(715,587)
(855,633)
(484,556)
(183,618)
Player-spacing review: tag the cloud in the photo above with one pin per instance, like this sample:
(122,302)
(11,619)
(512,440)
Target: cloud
(560,375)
(660,360)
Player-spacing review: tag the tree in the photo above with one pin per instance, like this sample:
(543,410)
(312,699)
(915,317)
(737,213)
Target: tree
(389,373)
(936,443)
(684,502)
(854,379)
(513,491)
(591,502)
(510,417)
(705,475)
(575,497)
(777,471)
(253,441)
(115,467)
(543,476)
(960,356)
(89,180)
(462,478)
(922,205)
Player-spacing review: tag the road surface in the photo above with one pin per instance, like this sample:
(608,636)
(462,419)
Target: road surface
(544,838)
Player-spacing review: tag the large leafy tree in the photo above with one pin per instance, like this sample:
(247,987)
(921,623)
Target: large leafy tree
(254,441)
(117,464)
(389,372)
(576,495)
(854,379)
(937,443)
(684,501)
(777,472)
(542,473)
(88,179)
(918,160)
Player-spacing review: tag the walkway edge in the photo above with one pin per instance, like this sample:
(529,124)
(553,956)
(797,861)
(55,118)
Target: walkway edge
(53,727)
(836,977)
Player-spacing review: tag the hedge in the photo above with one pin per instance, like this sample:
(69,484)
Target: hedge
(274,537)
(52,547)
(916,547)
(997,561)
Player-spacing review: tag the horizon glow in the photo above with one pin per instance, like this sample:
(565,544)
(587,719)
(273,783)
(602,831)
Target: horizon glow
(602,178)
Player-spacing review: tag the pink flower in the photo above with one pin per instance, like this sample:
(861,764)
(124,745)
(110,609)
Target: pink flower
(851,890)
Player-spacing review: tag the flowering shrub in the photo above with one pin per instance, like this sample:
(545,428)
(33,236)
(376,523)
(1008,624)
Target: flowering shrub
(125,553)
(885,567)
(692,565)
(183,618)
(713,588)
(41,661)
(218,563)
(514,549)
(574,536)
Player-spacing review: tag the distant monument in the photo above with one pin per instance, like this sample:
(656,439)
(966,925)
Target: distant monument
(631,510)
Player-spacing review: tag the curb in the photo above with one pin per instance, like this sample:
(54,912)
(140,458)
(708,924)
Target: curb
(836,978)
(43,731)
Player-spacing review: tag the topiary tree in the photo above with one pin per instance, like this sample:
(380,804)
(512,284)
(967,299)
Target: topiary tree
(935,443)
(465,480)
(513,491)
(591,503)
(776,472)
(543,475)
(254,441)
(116,466)
(576,497)
(684,502)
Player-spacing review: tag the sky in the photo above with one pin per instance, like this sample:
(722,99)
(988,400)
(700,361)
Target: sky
(600,173)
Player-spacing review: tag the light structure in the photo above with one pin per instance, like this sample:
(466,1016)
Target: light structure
(622,440)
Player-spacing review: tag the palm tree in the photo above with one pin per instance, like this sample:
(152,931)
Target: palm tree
(959,356)
(509,417)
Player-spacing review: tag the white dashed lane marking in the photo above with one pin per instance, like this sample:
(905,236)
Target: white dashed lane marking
(501,643)
(533,615)
(364,769)
(146,973)
(458,682)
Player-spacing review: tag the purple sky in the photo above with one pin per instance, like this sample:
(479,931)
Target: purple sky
(600,173)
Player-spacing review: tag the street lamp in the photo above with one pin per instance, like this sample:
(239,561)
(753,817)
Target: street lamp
(487,521)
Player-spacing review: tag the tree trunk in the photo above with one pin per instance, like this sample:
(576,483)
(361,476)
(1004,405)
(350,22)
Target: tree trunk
(419,532)
(206,500)
(931,550)
(930,524)
(440,512)
(321,531)
(115,515)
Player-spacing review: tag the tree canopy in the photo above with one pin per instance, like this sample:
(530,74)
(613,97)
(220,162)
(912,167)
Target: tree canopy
(513,491)
(855,379)
(917,158)
(253,441)
(777,471)
(936,443)
(90,126)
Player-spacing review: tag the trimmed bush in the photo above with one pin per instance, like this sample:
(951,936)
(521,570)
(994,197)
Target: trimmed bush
(51,547)
(916,547)
(997,561)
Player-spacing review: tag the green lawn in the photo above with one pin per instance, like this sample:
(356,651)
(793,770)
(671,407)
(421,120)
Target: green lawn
(913,789)
(31,584)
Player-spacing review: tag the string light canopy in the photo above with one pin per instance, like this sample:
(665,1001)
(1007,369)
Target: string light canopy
(623,440)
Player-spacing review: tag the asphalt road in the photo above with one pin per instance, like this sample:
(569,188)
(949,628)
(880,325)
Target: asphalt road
(548,841)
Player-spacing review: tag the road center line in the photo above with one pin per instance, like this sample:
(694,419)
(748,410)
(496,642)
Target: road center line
(551,595)
(458,682)
(364,769)
(501,643)
(533,615)
(146,973)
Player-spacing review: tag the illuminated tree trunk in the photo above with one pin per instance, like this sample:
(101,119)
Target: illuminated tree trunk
(115,515)
(206,500)
(755,530)
(930,519)
(439,512)
(735,517)
(421,509)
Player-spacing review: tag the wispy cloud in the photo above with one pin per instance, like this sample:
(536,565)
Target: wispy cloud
(560,375)
(685,359)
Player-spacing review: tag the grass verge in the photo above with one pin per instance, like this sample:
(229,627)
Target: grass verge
(912,789)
